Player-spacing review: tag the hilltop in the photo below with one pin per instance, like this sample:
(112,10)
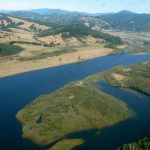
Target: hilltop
(128,21)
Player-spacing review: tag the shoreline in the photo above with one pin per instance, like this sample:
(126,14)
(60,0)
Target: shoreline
(34,139)
(11,68)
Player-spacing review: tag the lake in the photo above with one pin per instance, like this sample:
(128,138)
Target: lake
(18,90)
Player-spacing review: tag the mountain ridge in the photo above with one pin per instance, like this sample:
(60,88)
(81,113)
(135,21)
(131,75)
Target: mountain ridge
(63,11)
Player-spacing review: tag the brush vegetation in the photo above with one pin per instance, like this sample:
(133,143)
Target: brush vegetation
(144,47)
(80,31)
(143,144)
(48,54)
(136,77)
(7,49)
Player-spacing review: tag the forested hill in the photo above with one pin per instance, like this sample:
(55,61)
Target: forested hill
(128,21)
(75,27)
(124,20)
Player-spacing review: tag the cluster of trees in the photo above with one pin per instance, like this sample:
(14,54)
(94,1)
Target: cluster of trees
(7,49)
(73,30)
(143,144)
(52,44)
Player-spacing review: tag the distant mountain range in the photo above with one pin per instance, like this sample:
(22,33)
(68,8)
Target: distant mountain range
(121,21)
(46,11)
(128,21)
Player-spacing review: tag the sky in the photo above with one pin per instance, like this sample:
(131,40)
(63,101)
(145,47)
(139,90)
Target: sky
(90,6)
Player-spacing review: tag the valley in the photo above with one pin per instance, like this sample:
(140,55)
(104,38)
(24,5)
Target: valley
(73,80)
(38,52)
(42,43)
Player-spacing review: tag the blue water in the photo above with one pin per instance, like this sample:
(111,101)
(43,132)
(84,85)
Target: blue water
(19,90)
(131,130)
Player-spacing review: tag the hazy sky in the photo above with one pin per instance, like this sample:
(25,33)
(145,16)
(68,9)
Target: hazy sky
(93,6)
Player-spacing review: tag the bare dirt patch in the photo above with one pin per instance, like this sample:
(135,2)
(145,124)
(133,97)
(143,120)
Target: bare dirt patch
(26,24)
(118,77)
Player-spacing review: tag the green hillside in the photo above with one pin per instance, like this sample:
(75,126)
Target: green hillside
(80,31)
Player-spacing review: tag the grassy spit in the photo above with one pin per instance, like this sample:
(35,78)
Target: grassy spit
(67,144)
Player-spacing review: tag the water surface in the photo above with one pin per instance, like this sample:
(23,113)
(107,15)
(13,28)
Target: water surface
(18,90)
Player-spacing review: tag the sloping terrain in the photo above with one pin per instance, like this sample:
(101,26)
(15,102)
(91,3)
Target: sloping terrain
(85,26)
(56,17)
(122,21)
(26,25)
(26,34)
(7,22)
(128,21)
(46,36)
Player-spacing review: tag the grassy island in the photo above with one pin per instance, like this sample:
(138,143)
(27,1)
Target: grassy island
(75,107)
(81,105)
